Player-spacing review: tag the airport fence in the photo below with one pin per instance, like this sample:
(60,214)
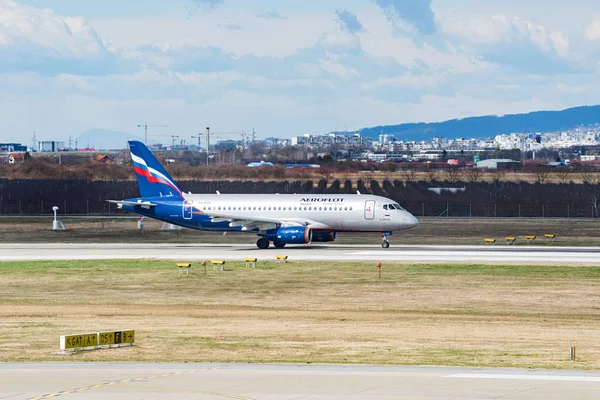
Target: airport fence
(441,210)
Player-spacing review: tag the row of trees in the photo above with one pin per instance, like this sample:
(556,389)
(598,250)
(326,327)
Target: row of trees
(46,168)
(480,198)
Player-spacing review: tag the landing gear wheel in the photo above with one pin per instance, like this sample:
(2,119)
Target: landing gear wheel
(385,244)
(279,245)
(262,243)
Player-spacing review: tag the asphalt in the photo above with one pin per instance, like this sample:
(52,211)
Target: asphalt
(542,255)
(288,382)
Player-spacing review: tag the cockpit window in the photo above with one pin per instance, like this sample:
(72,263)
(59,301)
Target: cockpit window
(398,207)
(385,207)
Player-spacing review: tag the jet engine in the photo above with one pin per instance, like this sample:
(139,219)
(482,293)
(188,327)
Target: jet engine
(291,234)
(324,236)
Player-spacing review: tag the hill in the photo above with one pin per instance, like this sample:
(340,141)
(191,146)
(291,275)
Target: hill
(490,125)
(104,139)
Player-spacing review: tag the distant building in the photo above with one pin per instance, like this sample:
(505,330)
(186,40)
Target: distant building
(228,145)
(302,165)
(46,146)
(103,159)
(499,163)
(260,164)
(17,158)
(12,148)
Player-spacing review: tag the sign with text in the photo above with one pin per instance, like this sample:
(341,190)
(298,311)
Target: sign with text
(96,340)
(86,340)
(116,337)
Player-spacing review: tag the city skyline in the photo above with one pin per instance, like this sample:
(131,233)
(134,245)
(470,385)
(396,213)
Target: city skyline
(287,68)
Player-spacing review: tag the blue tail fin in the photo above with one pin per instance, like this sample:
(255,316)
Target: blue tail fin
(152,178)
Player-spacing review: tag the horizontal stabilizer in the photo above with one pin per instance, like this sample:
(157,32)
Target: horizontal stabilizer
(143,204)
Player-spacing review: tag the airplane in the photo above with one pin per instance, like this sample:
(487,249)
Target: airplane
(276,218)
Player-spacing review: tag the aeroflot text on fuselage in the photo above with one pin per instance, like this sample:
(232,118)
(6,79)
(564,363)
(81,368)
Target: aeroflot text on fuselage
(322,200)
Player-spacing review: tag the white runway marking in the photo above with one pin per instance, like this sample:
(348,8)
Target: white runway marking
(522,377)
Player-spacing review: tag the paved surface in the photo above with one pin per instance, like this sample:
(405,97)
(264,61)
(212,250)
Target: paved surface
(458,254)
(287,382)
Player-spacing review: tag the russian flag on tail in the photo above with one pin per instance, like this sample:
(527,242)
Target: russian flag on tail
(152,178)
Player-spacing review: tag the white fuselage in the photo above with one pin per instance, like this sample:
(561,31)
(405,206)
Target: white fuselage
(340,212)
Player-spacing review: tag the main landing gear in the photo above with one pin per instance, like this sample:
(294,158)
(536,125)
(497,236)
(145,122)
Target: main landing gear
(384,237)
(262,243)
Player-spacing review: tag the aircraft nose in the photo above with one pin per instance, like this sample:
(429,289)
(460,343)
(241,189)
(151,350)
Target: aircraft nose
(410,221)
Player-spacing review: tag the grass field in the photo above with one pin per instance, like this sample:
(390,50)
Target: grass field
(572,232)
(306,312)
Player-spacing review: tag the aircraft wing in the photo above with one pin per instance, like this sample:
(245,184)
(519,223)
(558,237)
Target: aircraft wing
(248,223)
(143,204)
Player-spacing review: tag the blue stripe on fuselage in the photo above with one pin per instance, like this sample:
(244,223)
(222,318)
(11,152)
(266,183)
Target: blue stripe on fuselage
(171,211)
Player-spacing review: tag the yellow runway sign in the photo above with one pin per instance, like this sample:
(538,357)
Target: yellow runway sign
(116,337)
(79,341)
(97,340)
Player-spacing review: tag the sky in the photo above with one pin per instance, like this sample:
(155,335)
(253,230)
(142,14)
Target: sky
(287,67)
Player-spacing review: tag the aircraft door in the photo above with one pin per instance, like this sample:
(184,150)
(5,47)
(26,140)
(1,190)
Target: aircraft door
(370,209)
(187,209)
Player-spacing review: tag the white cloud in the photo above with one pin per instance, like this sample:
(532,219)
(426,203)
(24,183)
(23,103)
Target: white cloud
(70,37)
(490,30)
(593,30)
(39,40)
(313,70)
(275,37)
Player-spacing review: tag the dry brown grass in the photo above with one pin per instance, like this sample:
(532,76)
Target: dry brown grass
(521,316)
(441,230)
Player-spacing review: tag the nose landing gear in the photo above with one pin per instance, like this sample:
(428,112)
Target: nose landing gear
(384,239)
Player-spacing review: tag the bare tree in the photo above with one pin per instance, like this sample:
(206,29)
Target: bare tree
(541,173)
(473,175)
(563,174)
(431,173)
(408,172)
(496,175)
(452,173)
(326,173)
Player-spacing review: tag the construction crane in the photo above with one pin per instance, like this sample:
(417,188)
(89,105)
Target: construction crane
(145,126)
(199,137)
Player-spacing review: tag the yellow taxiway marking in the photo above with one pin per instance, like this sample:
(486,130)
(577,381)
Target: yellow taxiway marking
(177,390)
(111,383)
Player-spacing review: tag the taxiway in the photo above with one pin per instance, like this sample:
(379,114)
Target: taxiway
(287,382)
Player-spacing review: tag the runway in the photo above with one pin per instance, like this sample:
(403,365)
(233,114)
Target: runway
(287,382)
(540,255)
